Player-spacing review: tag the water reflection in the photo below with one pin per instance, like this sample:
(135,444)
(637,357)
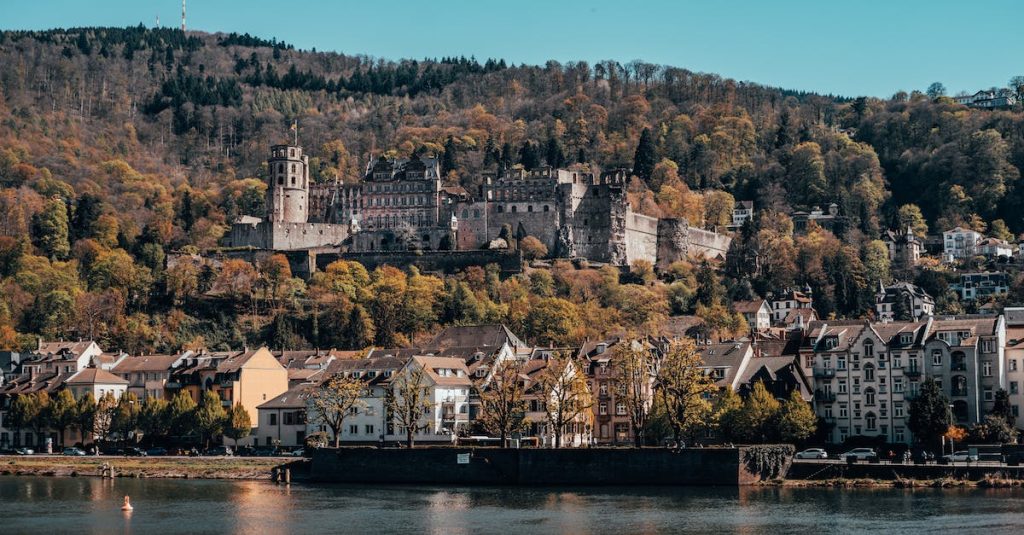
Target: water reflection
(47,505)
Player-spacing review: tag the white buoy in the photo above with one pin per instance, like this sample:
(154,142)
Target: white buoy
(127,505)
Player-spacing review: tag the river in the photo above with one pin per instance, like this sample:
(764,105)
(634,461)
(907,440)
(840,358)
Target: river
(164,506)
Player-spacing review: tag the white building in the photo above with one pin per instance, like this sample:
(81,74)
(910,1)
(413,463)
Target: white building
(960,243)
(915,303)
(757,313)
(1015,360)
(282,420)
(994,248)
(791,300)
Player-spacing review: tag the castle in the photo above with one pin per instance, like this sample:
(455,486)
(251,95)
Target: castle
(402,205)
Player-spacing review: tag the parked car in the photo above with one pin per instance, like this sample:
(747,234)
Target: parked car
(861,454)
(74,452)
(812,453)
(24,451)
(266,451)
(960,456)
(133,452)
(156,452)
(220,451)
(298,453)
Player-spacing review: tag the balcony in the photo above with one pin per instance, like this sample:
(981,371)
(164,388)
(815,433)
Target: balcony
(825,373)
(827,397)
(912,372)
(958,392)
(958,367)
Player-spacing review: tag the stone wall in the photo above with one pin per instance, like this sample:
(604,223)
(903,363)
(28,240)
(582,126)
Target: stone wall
(641,236)
(499,466)
(814,471)
(510,262)
(286,236)
(677,240)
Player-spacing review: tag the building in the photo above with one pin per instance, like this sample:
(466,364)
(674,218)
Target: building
(147,375)
(904,248)
(990,99)
(579,431)
(1014,353)
(402,205)
(789,301)
(973,286)
(865,373)
(757,313)
(994,248)
(960,243)
(60,357)
(447,383)
(902,301)
(741,213)
(282,420)
(830,220)
(248,378)
(610,408)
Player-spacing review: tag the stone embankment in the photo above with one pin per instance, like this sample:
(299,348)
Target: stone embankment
(142,467)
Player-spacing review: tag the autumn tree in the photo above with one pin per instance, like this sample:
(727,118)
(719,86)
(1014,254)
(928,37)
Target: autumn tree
(125,419)
(103,417)
(153,418)
(502,402)
(685,388)
(636,367)
(532,248)
(237,424)
(181,415)
(86,415)
(63,412)
(50,230)
(407,402)
(333,400)
(566,396)
(797,421)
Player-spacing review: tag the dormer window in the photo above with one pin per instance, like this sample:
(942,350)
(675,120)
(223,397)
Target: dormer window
(831,342)
(906,339)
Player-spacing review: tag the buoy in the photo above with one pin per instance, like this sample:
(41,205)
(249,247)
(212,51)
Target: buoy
(127,505)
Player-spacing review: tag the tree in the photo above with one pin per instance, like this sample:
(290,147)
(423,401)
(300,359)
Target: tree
(126,416)
(181,415)
(63,412)
(529,156)
(333,400)
(407,402)
(237,424)
(50,230)
(910,216)
(449,160)
(86,415)
(24,410)
(1001,407)
(685,389)
(929,414)
(552,321)
(209,417)
(807,181)
(502,403)
(566,396)
(994,430)
(103,418)
(153,418)
(646,156)
(936,90)
(797,421)
(635,370)
(532,248)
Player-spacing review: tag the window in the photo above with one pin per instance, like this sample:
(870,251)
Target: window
(897,409)
(353,429)
(897,384)
(273,419)
(369,429)
(1013,387)
(620,409)
(1013,365)
(936,357)
(986,368)
(603,389)
(843,413)
(841,363)
(872,420)
(842,386)
(869,373)
(602,409)
(869,396)
(900,437)
(869,348)
(988,393)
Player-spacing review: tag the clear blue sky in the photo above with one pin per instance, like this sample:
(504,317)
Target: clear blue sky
(860,47)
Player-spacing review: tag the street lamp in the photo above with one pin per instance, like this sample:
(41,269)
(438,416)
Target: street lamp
(952,450)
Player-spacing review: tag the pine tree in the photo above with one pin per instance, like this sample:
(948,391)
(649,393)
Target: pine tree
(646,156)
(449,161)
(528,156)
(555,156)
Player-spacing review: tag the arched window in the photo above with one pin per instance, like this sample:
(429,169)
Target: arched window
(869,396)
(513,208)
(529,208)
(869,348)
(871,419)
(501,209)
(959,385)
(960,410)
(869,372)
(958,362)
(545,208)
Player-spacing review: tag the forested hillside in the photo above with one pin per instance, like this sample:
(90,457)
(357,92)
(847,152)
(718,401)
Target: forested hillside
(120,145)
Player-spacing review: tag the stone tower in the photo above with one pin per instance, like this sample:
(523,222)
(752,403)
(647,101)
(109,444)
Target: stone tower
(288,190)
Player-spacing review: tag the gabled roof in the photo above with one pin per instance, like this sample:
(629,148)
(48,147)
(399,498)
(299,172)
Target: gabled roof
(432,365)
(237,362)
(476,336)
(293,398)
(729,355)
(146,363)
(74,348)
(749,307)
(95,376)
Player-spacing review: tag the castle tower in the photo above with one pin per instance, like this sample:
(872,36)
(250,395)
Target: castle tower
(288,187)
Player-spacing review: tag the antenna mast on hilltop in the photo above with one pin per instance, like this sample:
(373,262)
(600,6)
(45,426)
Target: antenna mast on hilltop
(182,15)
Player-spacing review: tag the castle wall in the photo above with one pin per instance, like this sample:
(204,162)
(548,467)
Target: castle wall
(707,244)
(426,239)
(641,238)
(679,241)
(292,236)
(596,217)
(248,235)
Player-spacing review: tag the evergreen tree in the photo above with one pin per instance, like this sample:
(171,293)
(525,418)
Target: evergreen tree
(360,328)
(646,156)
(87,211)
(86,414)
(1001,407)
(528,156)
(554,154)
(181,415)
(506,155)
(50,230)
(210,417)
(449,160)
(930,416)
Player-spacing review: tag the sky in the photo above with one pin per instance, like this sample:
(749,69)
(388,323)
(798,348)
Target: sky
(850,48)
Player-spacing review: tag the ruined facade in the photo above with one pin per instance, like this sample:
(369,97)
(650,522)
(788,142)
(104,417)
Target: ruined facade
(401,205)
